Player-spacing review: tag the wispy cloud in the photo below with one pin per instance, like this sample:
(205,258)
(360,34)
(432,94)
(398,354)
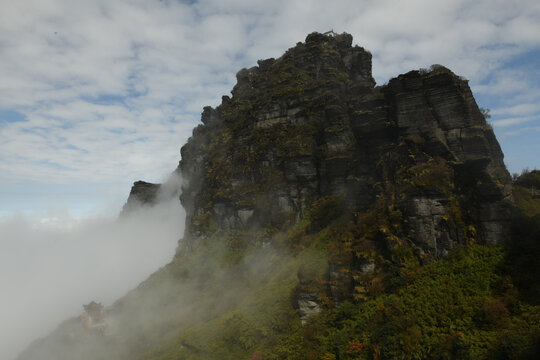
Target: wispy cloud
(519,109)
(513,121)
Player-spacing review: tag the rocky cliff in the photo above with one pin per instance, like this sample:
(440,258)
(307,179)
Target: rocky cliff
(312,191)
(142,193)
(312,125)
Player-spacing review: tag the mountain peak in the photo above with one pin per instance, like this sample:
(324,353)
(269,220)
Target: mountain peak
(311,124)
(320,214)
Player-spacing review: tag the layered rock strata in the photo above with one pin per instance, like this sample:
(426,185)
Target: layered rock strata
(313,124)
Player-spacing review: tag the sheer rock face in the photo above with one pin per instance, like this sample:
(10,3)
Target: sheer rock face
(312,124)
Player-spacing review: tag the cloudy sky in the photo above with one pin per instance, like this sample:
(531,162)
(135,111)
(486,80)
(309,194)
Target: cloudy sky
(97,94)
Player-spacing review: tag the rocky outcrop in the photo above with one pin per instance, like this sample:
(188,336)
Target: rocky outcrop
(438,112)
(279,143)
(312,124)
(142,193)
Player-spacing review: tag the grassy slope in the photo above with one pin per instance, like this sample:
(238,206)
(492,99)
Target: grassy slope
(478,303)
(217,303)
(462,307)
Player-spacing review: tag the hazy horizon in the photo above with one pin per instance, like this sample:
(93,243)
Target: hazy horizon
(50,266)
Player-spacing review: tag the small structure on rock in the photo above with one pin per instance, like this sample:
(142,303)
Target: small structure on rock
(93,318)
(330,33)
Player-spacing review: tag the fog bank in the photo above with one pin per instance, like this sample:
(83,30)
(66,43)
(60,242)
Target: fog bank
(51,265)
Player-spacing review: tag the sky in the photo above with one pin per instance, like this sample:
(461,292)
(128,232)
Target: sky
(95,95)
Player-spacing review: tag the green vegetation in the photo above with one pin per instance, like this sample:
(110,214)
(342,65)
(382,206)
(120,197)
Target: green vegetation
(524,252)
(475,303)
(462,307)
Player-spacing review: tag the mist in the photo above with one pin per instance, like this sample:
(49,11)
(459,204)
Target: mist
(51,264)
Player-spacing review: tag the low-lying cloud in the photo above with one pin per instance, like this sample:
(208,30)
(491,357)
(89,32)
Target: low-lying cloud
(51,265)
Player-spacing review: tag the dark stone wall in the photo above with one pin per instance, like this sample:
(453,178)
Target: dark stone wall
(312,124)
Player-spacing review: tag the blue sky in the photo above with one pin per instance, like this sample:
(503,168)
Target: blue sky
(98,94)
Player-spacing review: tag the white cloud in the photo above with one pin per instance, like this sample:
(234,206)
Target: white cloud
(522,130)
(519,109)
(52,263)
(512,121)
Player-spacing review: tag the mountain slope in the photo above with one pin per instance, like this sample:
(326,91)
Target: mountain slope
(331,219)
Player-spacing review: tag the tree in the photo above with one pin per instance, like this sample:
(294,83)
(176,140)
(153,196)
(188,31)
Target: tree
(485,112)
